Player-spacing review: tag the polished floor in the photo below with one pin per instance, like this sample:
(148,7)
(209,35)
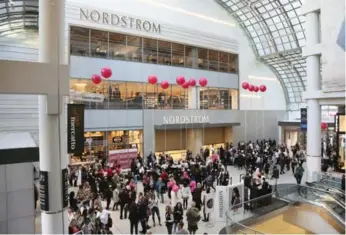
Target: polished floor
(213,227)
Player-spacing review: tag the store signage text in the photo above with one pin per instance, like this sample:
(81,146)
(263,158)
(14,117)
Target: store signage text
(119,21)
(185,119)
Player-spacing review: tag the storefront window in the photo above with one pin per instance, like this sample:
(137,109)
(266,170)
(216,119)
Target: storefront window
(202,58)
(115,93)
(99,43)
(223,58)
(177,54)
(117,46)
(179,98)
(213,60)
(79,44)
(165,53)
(150,96)
(134,48)
(233,63)
(218,98)
(189,55)
(150,51)
(163,97)
(134,95)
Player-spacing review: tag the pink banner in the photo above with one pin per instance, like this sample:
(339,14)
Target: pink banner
(123,157)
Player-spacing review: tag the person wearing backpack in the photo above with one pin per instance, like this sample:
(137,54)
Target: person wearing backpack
(299,173)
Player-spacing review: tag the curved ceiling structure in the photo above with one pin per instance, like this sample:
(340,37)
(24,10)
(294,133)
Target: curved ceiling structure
(277,35)
(17,15)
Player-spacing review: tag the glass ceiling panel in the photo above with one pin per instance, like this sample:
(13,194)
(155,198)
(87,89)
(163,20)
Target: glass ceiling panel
(17,15)
(276,30)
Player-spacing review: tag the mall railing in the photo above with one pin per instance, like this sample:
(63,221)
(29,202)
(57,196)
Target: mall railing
(260,206)
(329,179)
(256,208)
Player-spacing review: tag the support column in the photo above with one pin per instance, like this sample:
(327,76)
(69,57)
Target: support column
(313,107)
(194,140)
(193,97)
(52,133)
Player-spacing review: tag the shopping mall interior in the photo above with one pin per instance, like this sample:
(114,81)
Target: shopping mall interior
(172,117)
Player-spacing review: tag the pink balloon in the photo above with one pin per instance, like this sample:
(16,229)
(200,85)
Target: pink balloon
(263,88)
(251,88)
(192,82)
(186,85)
(106,72)
(96,79)
(175,188)
(180,80)
(256,89)
(203,82)
(164,85)
(170,184)
(193,185)
(245,85)
(152,79)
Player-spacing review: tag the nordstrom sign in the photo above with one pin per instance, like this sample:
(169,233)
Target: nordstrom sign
(119,20)
(185,119)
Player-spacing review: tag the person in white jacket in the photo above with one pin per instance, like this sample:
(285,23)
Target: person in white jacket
(116,197)
(185,193)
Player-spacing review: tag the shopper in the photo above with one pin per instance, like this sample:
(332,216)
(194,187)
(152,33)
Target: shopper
(169,219)
(186,192)
(133,217)
(181,229)
(154,205)
(193,217)
(178,215)
(299,173)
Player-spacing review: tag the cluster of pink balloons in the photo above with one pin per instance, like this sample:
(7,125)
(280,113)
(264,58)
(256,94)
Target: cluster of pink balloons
(105,73)
(152,79)
(249,87)
(173,185)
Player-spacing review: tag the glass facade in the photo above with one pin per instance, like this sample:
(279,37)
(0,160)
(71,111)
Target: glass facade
(218,98)
(136,95)
(102,44)
(127,95)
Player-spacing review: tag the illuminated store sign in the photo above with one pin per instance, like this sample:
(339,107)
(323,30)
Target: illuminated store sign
(119,21)
(185,119)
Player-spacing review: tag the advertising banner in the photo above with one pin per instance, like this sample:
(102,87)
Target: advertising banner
(209,202)
(221,203)
(75,128)
(123,157)
(236,198)
(303,119)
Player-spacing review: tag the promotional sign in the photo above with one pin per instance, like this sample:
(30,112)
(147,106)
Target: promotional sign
(64,186)
(236,198)
(209,202)
(303,118)
(123,157)
(44,196)
(75,128)
(221,203)
(185,119)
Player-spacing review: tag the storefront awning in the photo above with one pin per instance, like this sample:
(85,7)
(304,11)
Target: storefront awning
(194,126)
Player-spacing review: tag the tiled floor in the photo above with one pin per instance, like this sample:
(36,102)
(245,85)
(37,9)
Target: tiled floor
(213,227)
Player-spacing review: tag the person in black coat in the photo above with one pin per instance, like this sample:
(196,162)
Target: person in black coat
(123,200)
(133,217)
(197,196)
(178,213)
(142,215)
(73,201)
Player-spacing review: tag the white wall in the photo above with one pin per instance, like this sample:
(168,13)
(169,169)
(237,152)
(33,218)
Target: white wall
(333,56)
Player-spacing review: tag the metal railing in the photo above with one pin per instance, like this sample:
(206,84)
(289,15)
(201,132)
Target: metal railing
(288,195)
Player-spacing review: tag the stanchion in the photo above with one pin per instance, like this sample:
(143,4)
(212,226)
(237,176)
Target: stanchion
(241,176)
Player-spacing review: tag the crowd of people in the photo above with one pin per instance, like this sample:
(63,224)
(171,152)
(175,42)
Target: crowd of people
(186,184)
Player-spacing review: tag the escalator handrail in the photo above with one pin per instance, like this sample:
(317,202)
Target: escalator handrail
(324,206)
(324,191)
(332,187)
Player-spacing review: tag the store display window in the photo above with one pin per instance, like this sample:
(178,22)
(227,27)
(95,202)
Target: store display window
(117,46)
(218,98)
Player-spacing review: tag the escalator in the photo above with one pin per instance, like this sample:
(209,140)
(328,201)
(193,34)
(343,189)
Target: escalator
(332,189)
(324,199)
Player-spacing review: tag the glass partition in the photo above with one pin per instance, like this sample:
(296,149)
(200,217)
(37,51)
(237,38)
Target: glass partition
(117,46)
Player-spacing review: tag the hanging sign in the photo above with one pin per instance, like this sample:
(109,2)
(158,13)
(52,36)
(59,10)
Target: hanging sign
(221,203)
(303,118)
(44,196)
(75,128)
(64,186)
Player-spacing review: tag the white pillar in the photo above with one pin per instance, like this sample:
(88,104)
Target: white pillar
(193,98)
(53,148)
(194,140)
(313,106)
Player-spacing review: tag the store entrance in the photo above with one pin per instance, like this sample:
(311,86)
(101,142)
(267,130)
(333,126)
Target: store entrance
(177,142)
